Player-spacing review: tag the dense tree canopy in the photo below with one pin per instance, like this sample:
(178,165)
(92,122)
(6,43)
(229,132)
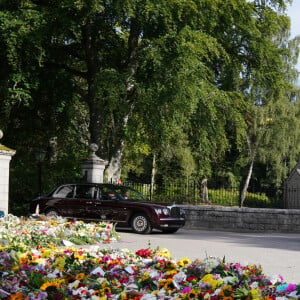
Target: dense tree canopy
(207,88)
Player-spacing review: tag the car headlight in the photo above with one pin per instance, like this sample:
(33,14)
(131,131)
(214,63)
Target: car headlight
(162,211)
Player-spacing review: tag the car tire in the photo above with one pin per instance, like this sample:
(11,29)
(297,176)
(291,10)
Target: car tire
(140,224)
(52,213)
(173,230)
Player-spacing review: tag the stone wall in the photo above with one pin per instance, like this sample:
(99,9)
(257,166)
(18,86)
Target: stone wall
(242,219)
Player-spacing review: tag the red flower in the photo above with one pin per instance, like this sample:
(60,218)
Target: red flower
(144,253)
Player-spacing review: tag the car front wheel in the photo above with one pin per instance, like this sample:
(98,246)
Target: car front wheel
(141,224)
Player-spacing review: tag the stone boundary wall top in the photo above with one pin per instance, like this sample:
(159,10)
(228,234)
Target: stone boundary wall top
(242,219)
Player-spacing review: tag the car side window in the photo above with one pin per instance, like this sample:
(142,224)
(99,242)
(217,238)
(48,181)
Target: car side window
(86,192)
(65,191)
(107,193)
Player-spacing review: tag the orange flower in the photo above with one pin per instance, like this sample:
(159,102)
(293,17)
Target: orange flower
(17,296)
(80,276)
(24,261)
(192,295)
(48,284)
(107,290)
(226,293)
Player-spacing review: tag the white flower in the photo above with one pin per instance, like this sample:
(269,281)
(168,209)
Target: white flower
(179,277)
(154,274)
(217,292)
(254,285)
(132,286)
(276,279)
(54,274)
(73,285)
(161,293)
(230,280)
(98,271)
(148,297)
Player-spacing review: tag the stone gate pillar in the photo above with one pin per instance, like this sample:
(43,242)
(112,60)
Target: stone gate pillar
(93,167)
(5,157)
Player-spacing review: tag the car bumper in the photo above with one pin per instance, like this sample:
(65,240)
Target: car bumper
(171,223)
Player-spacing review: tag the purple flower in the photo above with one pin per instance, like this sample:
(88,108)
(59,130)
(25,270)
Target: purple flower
(41,296)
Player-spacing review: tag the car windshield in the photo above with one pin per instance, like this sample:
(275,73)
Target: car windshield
(129,193)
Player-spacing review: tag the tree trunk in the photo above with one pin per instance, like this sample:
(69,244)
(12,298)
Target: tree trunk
(115,165)
(246,184)
(113,170)
(153,176)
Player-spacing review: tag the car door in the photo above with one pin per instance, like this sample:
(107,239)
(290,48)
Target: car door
(65,202)
(85,196)
(109,206)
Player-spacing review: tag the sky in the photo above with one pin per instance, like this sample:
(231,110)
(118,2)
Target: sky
(294,13)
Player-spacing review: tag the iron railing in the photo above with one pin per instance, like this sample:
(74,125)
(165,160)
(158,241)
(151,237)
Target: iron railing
(190,193)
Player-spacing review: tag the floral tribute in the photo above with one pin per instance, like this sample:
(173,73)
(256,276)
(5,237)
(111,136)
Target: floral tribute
(94,273)
(26,233)
(34,265)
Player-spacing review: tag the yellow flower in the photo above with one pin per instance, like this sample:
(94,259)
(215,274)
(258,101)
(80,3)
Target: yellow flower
(123,296)
(164,252)
(79,257)
(170,265)
(45,253)
(59,263)
(166,283)
(172,272)
(208,278)
(255,294)
(184,261)
(48,284)
(51,246)
(106,290)
(192,294)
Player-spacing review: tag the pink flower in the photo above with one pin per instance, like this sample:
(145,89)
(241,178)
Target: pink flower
(291,287)
(186,290)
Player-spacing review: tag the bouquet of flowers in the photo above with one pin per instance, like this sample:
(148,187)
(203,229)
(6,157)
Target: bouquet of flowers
(25,233)
(72,273)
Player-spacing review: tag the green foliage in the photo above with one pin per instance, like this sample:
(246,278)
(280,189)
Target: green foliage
(231,198)
(223,197)
(175,79)
(258,200)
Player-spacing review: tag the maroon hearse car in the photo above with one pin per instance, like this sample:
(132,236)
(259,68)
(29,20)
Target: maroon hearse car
(108,202)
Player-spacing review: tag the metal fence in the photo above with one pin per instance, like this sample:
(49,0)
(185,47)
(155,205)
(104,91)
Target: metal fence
(291,197)
(191,193)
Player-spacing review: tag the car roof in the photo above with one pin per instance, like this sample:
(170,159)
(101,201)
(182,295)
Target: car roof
(95,184)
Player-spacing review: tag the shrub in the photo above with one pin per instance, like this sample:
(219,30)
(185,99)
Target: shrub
(224,197)
(259,200)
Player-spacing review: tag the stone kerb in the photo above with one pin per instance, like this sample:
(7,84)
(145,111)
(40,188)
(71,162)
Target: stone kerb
(5,157)
(242,219)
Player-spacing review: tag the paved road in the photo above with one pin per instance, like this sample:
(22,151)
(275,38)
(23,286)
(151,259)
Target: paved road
(277,253)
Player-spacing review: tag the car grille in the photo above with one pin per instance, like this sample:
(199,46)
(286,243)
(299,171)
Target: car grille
(175,212)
